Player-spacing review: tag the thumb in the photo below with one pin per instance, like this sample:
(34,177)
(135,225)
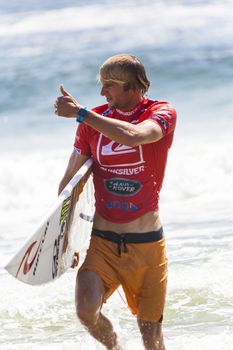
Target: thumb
(64,92)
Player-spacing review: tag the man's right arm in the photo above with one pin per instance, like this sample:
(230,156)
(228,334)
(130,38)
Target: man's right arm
(75,162)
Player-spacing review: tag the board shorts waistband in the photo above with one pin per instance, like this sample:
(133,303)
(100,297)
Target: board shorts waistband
(124,238)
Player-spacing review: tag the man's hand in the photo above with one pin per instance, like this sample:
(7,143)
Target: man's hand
(75,260)
(66,105)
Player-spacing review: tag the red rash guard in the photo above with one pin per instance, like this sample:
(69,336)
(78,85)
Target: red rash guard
(128,180)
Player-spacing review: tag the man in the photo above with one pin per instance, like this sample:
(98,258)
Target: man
(128,139)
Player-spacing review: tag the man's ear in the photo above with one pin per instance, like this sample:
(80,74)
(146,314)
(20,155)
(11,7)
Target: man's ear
(127,86)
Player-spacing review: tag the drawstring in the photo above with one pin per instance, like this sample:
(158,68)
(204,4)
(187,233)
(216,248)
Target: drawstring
(122,241)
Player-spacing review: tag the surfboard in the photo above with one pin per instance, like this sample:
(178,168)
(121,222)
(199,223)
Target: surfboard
(48,253)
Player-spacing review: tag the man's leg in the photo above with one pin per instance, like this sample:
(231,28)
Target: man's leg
(89,295)
(152,335)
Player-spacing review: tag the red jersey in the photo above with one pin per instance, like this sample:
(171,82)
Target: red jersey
(127,180)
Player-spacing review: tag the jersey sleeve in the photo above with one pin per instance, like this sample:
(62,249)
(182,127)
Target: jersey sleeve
(164,115)
(81,142)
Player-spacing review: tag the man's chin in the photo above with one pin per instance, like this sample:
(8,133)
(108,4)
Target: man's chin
(111,104)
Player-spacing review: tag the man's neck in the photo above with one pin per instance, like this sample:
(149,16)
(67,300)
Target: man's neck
(131,105)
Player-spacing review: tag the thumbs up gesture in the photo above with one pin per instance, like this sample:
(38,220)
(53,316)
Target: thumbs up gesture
(66,105)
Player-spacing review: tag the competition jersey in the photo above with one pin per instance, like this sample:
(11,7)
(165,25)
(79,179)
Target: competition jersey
(127,180)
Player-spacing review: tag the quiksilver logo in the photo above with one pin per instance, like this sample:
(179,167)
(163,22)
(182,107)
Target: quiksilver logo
(115,148)
(112,154)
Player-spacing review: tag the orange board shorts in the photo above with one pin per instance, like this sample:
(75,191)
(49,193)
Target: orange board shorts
(141,271)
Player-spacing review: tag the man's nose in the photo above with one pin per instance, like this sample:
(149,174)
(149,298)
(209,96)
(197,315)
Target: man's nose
(102,91)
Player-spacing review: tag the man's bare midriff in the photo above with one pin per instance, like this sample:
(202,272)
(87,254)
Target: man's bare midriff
(146,223)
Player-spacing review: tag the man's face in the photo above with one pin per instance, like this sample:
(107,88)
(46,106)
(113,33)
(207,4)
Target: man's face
(116,96)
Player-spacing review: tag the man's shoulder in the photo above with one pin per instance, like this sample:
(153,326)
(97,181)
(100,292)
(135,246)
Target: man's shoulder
(153,109)
(162,113)
(154,105)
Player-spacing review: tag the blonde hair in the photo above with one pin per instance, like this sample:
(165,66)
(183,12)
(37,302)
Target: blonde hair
(127,70)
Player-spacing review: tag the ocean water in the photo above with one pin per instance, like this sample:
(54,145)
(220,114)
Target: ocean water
(186,46)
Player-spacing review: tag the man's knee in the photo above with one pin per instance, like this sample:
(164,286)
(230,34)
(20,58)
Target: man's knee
(89,296)
(88,318)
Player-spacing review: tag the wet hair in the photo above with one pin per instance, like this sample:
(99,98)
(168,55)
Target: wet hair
(127,70)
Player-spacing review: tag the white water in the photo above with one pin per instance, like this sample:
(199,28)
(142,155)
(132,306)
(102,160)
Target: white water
(187,49)
(198,222)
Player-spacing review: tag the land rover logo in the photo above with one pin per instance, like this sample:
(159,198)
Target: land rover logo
(122,187)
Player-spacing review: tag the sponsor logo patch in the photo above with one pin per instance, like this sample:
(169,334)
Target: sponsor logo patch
(77,150)
(113,148)
(107,112)
(125,171)
(125,206)
(122,187)
(112,154)
(161,120)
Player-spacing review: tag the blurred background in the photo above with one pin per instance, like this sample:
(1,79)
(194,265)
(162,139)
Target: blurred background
(186,46)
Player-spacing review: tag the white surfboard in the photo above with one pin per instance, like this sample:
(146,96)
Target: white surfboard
(48,253)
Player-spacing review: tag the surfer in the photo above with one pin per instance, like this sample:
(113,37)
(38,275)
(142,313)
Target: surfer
(128,138)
